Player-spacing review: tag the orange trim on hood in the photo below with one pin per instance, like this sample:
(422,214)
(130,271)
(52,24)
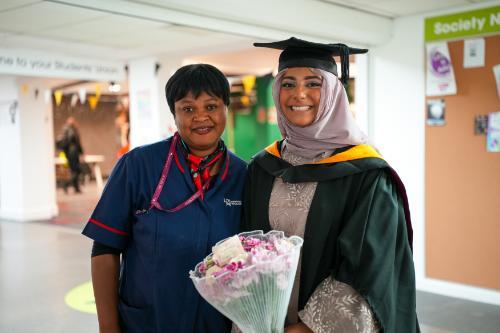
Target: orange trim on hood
(354,153)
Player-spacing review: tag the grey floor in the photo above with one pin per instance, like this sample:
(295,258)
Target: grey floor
(39,264)
(41,261)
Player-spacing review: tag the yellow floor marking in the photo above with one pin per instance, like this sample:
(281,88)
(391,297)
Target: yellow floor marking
(81,298)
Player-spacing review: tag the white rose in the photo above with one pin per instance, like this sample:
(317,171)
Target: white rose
(227,250)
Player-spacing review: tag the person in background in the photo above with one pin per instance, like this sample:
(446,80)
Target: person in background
(70,144)
(325,183)
(123,128)
(162,210)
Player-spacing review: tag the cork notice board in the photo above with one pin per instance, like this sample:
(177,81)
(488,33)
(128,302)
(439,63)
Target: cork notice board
(463,180)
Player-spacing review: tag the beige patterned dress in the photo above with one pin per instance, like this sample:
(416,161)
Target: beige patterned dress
(334,306)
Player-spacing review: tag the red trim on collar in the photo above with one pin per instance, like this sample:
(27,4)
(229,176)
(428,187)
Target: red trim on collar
(102,225)
(226,169)
(176,157)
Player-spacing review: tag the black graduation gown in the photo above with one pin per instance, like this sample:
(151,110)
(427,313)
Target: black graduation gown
(358,229)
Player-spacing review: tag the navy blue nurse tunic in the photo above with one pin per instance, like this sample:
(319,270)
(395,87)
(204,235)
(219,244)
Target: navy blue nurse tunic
(159,248)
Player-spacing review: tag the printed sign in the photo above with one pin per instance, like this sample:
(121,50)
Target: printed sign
(465,24)
(34,63)
(440,78)
(474,53)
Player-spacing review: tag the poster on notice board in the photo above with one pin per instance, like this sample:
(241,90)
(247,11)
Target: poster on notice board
(440,78)
(474,53)
(493,134)
(436,112)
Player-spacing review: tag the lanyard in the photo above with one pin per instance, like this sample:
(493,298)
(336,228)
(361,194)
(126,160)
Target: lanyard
(163,180)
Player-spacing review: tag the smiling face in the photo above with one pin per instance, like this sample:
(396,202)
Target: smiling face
(200,122)
(300,94)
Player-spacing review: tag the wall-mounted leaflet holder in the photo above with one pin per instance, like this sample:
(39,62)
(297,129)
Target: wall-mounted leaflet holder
(12,109)
(496,72)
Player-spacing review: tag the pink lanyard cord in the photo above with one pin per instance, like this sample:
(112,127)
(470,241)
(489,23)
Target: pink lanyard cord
(164,173)
(163,179)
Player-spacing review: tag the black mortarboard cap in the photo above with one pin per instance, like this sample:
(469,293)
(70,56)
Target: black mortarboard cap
(301,53)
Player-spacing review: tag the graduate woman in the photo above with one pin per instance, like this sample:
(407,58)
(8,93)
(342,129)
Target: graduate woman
(162,210)
(323,182)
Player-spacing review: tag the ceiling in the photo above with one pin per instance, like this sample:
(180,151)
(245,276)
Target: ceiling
(105,29)
(195,30)
(397,8)
(261,60)
(66,29)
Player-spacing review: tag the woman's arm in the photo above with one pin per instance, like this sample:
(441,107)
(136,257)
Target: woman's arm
(337,307)
(105,272)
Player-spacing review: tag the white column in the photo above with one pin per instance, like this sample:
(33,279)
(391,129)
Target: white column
(361,93)
(150,117)
(27,174)
(398,121)
(168,66)
(143,101)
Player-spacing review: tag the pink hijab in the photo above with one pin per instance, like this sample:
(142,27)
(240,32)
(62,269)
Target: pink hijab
(334,126)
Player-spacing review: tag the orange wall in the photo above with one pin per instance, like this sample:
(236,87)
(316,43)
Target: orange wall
(463,180)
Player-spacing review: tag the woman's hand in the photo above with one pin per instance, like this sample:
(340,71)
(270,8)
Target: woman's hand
(298,328)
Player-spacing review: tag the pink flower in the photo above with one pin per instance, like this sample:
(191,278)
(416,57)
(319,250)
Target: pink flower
(269,247)
(250,243)
(232,266)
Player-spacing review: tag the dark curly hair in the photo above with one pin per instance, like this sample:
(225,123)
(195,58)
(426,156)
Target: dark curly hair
(196,79)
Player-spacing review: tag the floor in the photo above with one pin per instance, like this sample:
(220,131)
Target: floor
(45,270)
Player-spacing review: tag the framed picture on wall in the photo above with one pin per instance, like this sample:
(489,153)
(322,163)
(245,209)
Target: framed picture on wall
(436,112)
(480,124)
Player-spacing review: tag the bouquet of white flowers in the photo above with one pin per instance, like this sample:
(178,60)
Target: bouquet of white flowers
(249,278)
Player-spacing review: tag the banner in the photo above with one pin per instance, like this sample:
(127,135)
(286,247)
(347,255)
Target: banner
(248,83)
(93,100)
(47,95)
(35,63)
(74,100)
(58,95)
(440,78)
(82,95)
(464,24)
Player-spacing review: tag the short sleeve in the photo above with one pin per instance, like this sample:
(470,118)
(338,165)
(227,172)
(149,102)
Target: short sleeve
(109,224)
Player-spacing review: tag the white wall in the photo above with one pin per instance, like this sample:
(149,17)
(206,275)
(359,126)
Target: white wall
(27,173)
(38,150)
(397,126)
(361,92)
(10,154)
(397,122)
